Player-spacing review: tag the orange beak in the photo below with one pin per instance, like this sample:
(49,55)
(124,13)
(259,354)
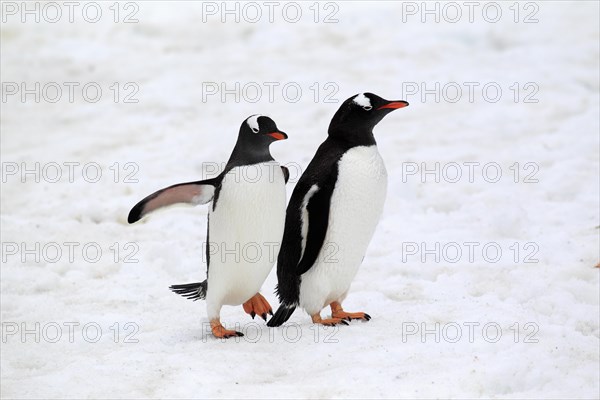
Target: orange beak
(278,135)
(394,105)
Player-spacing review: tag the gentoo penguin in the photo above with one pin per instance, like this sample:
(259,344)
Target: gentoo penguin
(245,223)
(332,214)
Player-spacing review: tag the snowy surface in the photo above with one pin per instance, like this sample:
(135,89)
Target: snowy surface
(174,133)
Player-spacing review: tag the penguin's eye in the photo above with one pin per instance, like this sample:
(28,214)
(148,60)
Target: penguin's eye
(367,108)
(255,130)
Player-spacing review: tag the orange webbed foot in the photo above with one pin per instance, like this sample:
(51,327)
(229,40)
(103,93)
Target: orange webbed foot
(328,321)
(219,331)
(338,312)
(258,305)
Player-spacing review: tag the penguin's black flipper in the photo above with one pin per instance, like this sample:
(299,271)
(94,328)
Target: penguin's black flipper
(200,192)
(318,220)
(192,291)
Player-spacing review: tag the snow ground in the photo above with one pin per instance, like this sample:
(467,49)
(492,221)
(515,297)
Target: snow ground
(546,308)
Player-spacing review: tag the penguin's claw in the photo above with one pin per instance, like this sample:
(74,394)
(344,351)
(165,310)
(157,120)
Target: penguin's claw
(258,305)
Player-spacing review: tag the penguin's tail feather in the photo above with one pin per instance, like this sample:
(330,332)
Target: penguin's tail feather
(193,291)
(283,313)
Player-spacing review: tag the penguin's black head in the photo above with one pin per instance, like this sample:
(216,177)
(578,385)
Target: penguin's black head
(256,134)
(261,131)
(358,115)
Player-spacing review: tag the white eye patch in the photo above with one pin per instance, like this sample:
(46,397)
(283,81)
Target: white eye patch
(253,123)
(363,101)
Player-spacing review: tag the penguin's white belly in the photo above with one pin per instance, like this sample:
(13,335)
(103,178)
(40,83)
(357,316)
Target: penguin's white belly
(245,232)
(356,205)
